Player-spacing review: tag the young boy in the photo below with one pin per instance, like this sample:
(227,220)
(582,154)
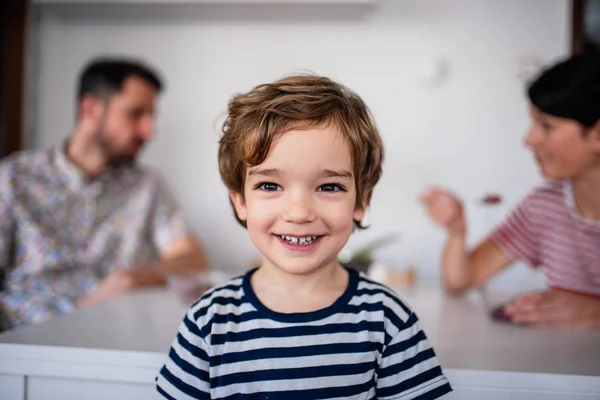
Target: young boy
(300,158)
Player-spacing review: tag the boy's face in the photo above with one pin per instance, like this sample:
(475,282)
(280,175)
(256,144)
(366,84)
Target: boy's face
(299,204)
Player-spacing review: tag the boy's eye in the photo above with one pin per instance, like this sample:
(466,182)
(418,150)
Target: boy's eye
(330,187)
(269,187)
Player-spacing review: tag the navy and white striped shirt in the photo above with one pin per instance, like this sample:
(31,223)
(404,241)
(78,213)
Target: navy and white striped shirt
(367,345)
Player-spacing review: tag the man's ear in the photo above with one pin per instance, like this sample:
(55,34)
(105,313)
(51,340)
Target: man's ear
(239,203)
(91,107)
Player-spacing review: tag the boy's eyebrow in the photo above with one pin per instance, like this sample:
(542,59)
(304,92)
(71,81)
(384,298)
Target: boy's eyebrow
(328,173)
(323,173)
(271,172)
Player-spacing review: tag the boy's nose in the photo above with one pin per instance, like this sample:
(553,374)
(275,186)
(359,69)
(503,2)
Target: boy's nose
(299,208)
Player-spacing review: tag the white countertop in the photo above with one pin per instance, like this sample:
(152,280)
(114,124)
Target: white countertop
(143,321)
(132,335)
(465,337)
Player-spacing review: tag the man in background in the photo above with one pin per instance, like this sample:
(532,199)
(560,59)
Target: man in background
(81,222)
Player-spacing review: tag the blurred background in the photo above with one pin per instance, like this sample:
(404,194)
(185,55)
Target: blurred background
(445,80)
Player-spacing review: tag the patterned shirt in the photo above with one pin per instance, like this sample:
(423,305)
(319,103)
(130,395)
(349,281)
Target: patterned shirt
(545,230)
(367,345)
(61,234)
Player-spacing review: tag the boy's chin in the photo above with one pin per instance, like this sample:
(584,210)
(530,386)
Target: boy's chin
(303,267)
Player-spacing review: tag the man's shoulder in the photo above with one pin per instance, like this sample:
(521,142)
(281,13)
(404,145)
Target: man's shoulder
(26,159)
(23,164)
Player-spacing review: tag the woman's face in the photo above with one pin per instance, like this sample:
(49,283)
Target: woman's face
(562,147)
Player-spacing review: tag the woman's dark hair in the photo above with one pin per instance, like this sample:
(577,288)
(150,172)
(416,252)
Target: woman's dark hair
(570,89)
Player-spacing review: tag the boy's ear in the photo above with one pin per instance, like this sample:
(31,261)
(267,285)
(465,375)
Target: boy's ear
(239,203)
(359,211)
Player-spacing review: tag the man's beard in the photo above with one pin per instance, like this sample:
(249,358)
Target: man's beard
(114,158)
(122,161)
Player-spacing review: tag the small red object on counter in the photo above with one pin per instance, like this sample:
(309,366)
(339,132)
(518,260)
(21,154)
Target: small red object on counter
(492,199)
(499,314)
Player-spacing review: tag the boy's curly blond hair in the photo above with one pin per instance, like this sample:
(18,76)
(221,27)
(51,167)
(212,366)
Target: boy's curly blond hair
(256,118)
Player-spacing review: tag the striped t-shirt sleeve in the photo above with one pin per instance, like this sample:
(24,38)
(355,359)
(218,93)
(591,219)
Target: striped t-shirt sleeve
(185,374)
(516,234)
(409,368)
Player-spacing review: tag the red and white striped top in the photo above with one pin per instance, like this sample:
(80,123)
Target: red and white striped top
(546,230)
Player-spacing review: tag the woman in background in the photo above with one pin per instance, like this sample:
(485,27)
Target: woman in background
(556,226)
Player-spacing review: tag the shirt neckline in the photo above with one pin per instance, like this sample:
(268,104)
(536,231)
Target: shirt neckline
(570,202)
(353,278)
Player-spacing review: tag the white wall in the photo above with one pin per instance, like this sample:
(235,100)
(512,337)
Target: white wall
(465,133)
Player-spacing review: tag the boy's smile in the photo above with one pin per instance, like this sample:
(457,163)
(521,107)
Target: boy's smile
(300,242)
(299,204)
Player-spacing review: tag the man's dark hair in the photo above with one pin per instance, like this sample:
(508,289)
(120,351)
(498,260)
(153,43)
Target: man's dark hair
(103,77)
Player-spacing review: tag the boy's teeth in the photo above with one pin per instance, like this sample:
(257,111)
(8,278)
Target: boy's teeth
(302,240)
